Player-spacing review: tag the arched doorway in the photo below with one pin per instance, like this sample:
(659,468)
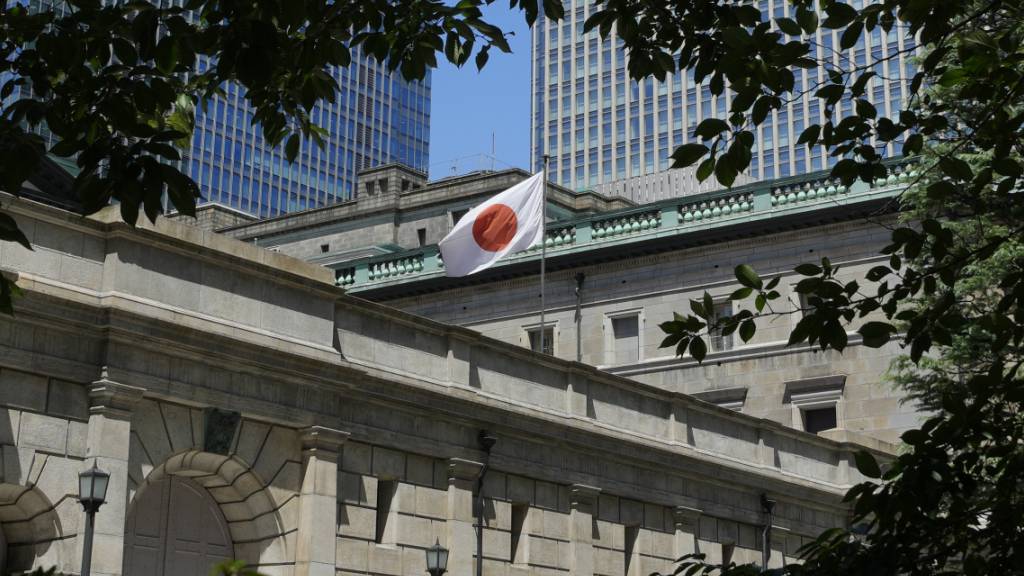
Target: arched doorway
(175,529)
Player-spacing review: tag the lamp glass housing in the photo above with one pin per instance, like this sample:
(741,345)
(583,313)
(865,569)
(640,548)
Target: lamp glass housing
(92,486)
(437,559)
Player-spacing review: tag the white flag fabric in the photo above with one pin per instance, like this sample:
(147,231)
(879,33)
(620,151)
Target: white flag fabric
(509,222)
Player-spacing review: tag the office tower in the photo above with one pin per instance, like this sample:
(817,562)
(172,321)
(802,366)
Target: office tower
(377,118)
(599,126)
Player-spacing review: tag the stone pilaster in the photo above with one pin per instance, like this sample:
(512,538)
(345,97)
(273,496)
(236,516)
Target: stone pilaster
(318,502)
(107,443)
(687,521)
(462,478)
(583,505)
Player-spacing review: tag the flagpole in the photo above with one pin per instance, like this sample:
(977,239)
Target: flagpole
(543,251)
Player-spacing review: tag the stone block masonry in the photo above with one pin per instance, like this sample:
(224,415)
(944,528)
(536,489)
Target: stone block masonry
(346,439)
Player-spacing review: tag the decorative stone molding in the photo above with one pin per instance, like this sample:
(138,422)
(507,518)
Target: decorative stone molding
(462,469)
(113,399)
(582,494)
(731,398)
(322,439)
(686,516)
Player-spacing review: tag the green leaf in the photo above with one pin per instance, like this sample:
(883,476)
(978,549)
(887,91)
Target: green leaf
(291,148)
(867,465)
(698,349)
(876,334)
(956,168)
(747,277)
(687,154)
(789,26)
(808,269)
(706,169)
(747,330)
(710,127)
(839,15)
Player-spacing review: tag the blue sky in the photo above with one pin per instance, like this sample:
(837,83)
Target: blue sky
(466,105)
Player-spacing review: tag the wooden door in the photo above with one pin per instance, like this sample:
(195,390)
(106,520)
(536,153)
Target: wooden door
(175,529)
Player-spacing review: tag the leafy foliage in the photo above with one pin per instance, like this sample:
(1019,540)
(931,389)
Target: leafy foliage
(118,83)
(950,293)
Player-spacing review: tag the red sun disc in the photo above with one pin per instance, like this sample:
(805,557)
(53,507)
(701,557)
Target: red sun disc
(495,227)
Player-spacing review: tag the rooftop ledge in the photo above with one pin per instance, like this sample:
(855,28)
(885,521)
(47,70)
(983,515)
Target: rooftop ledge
(636,228)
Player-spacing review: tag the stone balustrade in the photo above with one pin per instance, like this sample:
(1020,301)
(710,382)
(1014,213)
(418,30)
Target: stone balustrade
(762,200)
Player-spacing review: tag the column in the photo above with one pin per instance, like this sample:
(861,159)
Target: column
(318,502)
(687,525)
(110,414)
(583,505)
(462,478)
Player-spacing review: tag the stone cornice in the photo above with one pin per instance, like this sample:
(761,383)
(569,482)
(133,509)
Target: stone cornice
(462,469)
(322,439)
(112,399)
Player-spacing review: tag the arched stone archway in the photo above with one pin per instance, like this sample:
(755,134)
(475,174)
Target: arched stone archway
(175,529)
(30,530)
(254,529)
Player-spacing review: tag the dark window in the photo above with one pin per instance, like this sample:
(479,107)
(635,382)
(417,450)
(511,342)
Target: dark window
(457,215)
(325,248)
(421,234)
(549,345)
(819,419)
(627,339)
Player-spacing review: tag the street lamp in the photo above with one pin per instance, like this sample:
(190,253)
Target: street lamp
(92,493)
(437,559)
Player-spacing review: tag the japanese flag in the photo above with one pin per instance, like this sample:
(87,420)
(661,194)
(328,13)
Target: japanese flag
(509,222)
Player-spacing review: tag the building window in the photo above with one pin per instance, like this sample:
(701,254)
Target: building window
(816,403)
(325,248)
(457,215)
(719,341)
(386,528)
(819,419)
(421,235)
(626,339)
(549,340)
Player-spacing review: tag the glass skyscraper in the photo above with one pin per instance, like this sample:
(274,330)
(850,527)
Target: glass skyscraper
(377,118)
(600,126)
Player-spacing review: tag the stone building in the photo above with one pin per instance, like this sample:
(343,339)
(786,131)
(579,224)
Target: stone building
(638,265)
(247,407)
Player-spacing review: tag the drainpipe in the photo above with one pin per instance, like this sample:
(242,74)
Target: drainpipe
(487,441)
(768,506)
(580,277)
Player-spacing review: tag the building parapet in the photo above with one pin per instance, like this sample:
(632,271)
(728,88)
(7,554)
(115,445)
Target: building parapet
(640,226)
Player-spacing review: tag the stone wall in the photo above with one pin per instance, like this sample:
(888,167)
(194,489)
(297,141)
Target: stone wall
(137,335)
(653,287)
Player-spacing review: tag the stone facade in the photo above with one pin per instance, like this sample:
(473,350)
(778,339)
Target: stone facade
(326,434)
(397,210)
(648,289)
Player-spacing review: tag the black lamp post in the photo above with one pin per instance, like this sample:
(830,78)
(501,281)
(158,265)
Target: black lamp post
(92,493)
(437,559)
